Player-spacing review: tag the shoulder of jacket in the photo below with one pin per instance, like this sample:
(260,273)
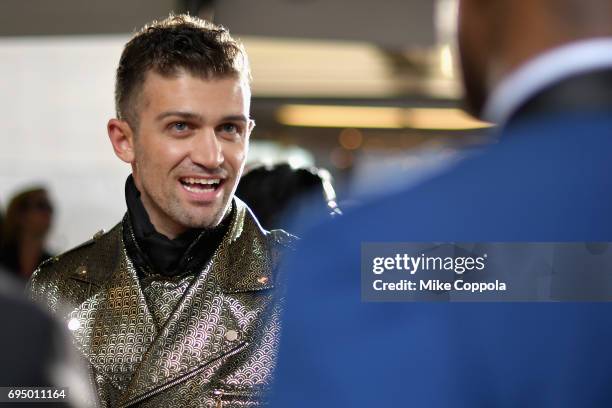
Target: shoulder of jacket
(281,242)
(54,260)
(80,250)
(66,264)
(276,239)
(283,239)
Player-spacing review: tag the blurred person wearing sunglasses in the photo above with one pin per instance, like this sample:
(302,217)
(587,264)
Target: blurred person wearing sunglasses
(28,220)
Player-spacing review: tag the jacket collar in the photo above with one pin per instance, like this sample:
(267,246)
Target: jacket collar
(545,71)
(153,253)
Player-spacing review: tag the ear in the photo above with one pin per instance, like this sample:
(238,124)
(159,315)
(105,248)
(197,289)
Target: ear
(250,126)
(122,138)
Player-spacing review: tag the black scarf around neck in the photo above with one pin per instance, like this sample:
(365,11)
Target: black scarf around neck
(154,253)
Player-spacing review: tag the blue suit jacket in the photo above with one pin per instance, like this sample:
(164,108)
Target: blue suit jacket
(546,180)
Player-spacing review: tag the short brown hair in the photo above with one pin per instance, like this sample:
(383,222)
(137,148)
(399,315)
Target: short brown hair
(179,42)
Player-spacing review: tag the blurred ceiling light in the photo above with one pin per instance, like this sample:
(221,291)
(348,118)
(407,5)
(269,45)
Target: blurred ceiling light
(350,139)
(442,119)
(370,117)
(447,66)
(299,67)
(341,69)
(446,17)
(340,116)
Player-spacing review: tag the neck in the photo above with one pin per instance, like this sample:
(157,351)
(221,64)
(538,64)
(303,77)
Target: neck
(548,70)
(544,26)
(152,214)
(162,224)
(158,248)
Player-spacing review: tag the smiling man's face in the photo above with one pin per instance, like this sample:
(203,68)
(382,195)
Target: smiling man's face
(190,148)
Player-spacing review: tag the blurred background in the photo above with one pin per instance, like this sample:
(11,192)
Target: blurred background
(367,90)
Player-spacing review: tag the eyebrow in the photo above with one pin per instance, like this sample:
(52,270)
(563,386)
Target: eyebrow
(195,116)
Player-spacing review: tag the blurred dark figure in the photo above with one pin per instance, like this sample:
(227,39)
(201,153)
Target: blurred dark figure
(1,226)
(280,195)
(28,220)
(35,351)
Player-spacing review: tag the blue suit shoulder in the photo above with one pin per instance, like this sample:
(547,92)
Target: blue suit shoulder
(545,181)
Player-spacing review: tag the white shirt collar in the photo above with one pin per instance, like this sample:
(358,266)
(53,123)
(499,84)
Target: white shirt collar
(539,73)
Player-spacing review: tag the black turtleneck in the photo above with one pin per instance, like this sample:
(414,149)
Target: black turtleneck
(154,253)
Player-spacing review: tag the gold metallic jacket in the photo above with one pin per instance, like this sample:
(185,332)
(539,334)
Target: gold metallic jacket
(218,345)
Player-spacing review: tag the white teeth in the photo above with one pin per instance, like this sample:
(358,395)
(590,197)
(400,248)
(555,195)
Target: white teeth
(197,189)
(199,185)
(201,181)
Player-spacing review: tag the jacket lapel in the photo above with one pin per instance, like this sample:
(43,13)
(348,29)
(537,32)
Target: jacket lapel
(205,326)
(112,326)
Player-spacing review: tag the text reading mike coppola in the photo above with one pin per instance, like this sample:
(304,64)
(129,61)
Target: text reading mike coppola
(486,272)
(413,264)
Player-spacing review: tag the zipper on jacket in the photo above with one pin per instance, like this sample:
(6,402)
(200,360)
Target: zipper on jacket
(218,395)
(183,378)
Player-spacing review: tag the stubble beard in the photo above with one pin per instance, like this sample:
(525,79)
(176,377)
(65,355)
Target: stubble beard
(167,204)
(191,219)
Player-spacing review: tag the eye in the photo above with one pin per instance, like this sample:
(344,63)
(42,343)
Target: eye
(229,128)
(179,126)
(230,131)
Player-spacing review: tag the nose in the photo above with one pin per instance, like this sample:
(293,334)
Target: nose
(207,150)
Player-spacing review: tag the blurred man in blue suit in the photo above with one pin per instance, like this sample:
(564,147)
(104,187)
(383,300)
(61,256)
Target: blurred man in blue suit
(542,70)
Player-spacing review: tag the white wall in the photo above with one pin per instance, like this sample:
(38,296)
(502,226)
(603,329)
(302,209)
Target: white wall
(56,95)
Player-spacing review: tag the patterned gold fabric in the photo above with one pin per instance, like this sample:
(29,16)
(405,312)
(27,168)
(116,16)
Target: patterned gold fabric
(163,295)
(216,346)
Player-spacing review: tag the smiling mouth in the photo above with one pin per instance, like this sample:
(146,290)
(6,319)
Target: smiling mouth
(200,185)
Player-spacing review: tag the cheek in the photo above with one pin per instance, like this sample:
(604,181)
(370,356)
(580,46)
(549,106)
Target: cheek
(160,155)
(235,155)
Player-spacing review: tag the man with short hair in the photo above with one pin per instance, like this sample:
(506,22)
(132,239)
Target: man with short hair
(173,306)
(541,69)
